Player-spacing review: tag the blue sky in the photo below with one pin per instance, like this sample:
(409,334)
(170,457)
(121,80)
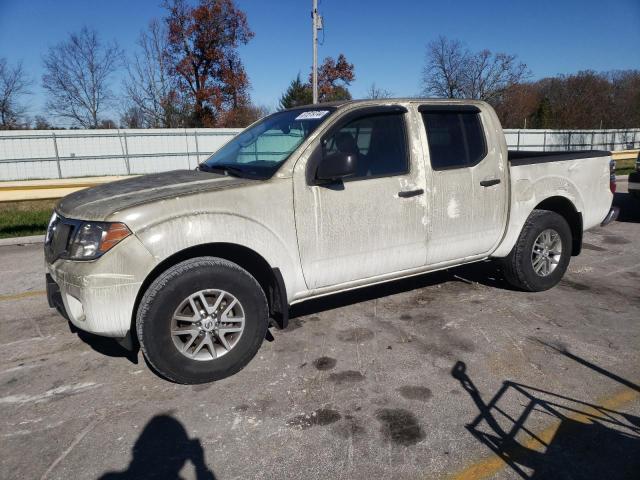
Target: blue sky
(384,39)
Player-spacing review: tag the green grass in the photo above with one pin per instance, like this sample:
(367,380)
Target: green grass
(20,219)
(625,167)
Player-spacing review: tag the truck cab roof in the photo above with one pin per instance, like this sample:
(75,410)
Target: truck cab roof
(384,101)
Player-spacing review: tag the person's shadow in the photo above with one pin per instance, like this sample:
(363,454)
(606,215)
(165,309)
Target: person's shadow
(161,451)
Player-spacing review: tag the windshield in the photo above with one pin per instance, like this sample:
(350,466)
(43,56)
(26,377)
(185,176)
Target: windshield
(258,151)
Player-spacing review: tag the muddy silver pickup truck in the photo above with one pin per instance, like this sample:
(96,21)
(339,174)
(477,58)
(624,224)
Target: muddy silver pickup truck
(195,266)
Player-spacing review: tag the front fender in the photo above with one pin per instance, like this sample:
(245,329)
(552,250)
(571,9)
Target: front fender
(174,234)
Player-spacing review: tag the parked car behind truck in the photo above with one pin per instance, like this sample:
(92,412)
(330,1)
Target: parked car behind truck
(307,202)
(634,180)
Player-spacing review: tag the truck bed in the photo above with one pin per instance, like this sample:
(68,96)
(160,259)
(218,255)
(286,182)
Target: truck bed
(528,157)
(582,177)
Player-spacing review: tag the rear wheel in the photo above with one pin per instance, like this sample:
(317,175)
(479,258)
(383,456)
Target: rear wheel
(203,319)
(541,255)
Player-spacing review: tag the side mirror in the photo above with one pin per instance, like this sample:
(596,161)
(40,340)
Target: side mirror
(336,166)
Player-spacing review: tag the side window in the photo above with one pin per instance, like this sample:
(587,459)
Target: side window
(378,141)
(456,138)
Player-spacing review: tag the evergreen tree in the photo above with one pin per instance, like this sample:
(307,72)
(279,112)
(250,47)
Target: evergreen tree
(296,95)
(543,117)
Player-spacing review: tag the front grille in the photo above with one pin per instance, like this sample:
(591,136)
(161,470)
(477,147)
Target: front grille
(59,234)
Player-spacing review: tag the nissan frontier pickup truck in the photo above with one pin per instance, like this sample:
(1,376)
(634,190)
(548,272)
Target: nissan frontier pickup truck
(196,265)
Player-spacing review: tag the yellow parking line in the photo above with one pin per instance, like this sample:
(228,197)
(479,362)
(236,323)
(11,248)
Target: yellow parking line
(20,296)
(492,465)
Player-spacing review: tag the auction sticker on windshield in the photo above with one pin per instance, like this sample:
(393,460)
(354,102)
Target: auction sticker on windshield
(312,115)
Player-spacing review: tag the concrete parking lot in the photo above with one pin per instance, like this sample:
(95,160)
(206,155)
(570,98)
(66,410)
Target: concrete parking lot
(449,375)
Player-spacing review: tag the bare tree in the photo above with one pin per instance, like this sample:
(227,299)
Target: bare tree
(374,92)
(519,105)
(14,84)
(41,123)
(625,98)
(77,77)
(132,117)
(443,75)
(107,123)
(452,71)
(150,88)
(488,75)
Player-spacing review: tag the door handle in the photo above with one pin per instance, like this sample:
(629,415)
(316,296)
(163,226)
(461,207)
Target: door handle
(410,193)
(489,183)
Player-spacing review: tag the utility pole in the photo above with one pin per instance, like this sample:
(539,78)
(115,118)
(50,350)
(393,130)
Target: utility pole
(316,24)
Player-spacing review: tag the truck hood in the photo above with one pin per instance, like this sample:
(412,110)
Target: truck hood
(98,203)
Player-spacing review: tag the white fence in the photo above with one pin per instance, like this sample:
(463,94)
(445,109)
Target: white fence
(37,154)
(563,140)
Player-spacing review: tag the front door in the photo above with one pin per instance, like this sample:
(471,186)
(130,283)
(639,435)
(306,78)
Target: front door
(369,224)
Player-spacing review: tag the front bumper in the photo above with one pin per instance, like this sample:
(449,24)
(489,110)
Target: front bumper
(99,296)
(54,297)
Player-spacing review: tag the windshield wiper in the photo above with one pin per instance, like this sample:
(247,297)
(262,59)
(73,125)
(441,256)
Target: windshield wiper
(226,169)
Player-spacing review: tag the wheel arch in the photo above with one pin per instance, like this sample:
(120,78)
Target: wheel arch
(566,209)
(269,278)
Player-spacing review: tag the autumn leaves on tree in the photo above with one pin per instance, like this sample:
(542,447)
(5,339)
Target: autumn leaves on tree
(210,85)
(202,49)
(334,76)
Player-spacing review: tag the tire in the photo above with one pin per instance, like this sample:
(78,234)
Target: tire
(158,309)
(518,266)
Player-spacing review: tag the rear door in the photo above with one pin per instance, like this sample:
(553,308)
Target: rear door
(468,184)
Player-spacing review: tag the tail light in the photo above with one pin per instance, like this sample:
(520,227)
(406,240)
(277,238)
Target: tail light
(612,176)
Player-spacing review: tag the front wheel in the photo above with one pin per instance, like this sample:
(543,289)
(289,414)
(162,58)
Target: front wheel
(202,320)
(541,255)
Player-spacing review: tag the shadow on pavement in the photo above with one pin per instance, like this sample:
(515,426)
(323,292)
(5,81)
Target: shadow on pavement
(107,346)
(585,441)
(365,294)
(161,451)
(629,207)
(486,273)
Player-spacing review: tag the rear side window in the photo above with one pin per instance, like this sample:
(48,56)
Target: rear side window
(456,138)
(378,141)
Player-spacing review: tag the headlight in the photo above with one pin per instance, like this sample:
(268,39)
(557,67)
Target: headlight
(92,239)
(50,228)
